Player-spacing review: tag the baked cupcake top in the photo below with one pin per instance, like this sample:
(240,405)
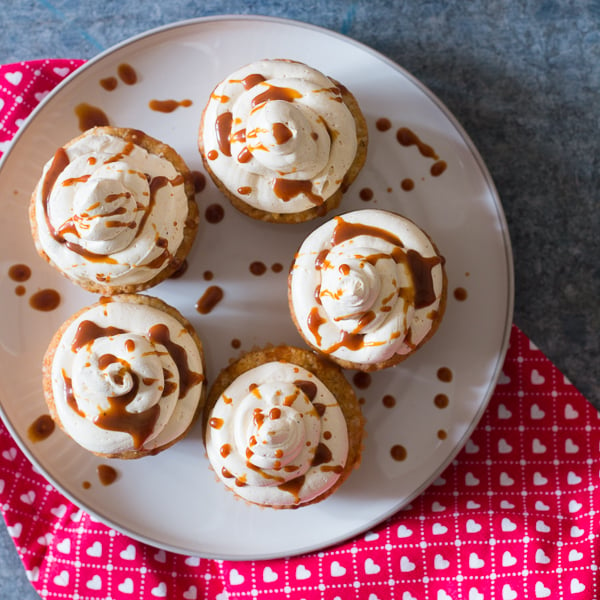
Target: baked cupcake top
(276,436)
(126,376)
(367,286)
(278,135)
(111,208)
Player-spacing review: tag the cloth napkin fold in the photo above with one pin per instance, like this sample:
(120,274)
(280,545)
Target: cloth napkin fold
(513,517)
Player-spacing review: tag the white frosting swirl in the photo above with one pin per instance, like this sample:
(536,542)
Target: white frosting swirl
(272,443)
(365,286)
(115,214)
(274,122)
(119,382)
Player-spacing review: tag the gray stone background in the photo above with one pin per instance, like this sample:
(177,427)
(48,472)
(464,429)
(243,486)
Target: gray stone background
(522,77)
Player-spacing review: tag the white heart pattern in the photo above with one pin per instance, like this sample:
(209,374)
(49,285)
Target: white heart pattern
(337,570)
(504,447)
(59,512)
(15,77)
(576,586)
(574,506)
(126,587)
(441,595)
(508,560)
(62,579)
(160,591)
(439,529)
(538,447)
(471,480)
(573,478)
(475,594)
(403,531)
(473,526)
(64,546)
(28,498)
(536,412)
(191,593)
(236,578)
(371,568)
(539,479)
(506,480)
(536,377)
(269,576)
(61,71)
(541,558)
(503,412)
(15,530)
(475,562)
(541,591)
(302,572)
(508,593)
(95,550)
(95,583)
(440,563)
(571,447)
(575,555)
(570,412)
(128,553)
(406,565)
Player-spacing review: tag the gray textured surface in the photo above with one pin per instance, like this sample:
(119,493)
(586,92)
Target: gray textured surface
(522,77)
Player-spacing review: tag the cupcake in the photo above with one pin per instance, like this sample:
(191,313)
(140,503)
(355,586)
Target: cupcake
(114,211)
(124,377)
(283,428)
(367,289)
(282,141)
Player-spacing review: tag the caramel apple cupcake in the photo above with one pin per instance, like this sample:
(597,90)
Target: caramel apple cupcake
(367,289)
(282,141)
(114,211)
(283,428)
(124,377)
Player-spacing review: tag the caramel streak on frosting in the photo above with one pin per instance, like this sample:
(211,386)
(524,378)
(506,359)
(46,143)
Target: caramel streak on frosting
(367,285)
(109,211)
(280,131)
(277,436)
(126,376)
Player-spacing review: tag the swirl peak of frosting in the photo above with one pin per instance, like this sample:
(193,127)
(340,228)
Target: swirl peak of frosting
(274,121)
(99,210)
(277,436)
(367,285)
(120,387)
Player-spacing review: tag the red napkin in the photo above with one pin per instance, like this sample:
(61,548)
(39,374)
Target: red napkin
(513,517)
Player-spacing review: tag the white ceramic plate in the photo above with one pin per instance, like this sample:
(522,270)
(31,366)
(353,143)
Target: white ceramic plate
(173,500)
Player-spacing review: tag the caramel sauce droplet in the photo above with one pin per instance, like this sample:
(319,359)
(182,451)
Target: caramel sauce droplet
(383,124)
(127,74)
(168,106)
(441,401)
(109,83)
(407,184)
(406,137)
(398,452)
(41,428)
(19,272)
(361,380)
(90,116)
(258,268)
(45,300)
(211,297)
(106,474)
(445,374)
(214,213)
(460,294)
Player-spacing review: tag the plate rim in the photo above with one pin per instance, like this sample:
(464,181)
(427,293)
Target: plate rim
(508,256)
